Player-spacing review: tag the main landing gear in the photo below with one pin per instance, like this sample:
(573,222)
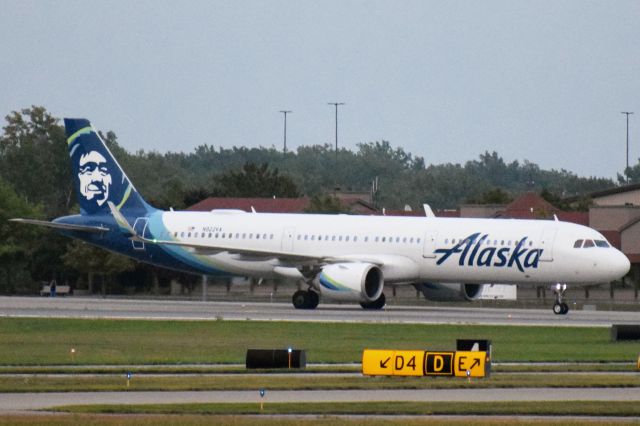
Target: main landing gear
(560,308)
(376,304)
(305,299)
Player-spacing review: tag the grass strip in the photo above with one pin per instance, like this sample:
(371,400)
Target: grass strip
(38,341)
(565,368)
(239,382)
(531,408)
(328,368)
(164,369)
(63,419)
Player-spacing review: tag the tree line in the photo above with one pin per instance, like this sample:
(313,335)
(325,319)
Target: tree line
(36,182)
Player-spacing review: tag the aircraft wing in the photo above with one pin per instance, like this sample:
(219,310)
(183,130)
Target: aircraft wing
(63,226)
(206,249)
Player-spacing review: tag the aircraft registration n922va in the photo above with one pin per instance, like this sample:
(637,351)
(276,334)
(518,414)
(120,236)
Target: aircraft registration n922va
(339,257)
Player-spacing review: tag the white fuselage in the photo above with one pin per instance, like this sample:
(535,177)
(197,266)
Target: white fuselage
(408,250)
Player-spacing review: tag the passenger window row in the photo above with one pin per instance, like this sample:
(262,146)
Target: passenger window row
(354,238)
(487,242)
(224,235)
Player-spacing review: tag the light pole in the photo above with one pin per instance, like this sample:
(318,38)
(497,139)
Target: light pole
(285,112)
(627,113)
(336,104)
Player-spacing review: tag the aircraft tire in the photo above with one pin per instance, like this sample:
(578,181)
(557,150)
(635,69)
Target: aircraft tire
(565,308)
(558,309)
(300,299)
(376,305)
(314,299)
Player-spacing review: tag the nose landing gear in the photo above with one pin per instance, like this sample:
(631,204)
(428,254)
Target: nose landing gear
(560,308)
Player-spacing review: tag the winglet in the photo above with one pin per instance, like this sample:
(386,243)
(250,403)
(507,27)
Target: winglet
(121,220)
(427,210)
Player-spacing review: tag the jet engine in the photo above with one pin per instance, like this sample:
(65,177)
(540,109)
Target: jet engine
(354,282)
(450,292)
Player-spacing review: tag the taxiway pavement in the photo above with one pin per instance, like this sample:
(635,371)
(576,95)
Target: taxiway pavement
(39,401)
(84,307)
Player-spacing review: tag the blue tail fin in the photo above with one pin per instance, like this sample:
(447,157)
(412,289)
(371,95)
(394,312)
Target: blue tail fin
(97,176)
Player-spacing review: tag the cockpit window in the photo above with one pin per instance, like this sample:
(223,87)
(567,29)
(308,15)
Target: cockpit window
(588,243)
(577,244)
(602,243)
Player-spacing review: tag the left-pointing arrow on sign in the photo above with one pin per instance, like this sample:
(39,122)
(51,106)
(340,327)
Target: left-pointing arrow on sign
(383,364)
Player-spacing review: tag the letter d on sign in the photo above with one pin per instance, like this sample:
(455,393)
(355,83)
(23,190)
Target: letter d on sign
(399,362)
(438,363)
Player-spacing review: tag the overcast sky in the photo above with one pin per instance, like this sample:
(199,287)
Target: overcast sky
(543,81)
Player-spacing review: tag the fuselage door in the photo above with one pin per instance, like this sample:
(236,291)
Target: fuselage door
(429,246)
(547,239)
(287,239)
(140,226)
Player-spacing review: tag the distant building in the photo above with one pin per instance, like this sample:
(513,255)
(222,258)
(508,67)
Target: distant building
(527,206)
(261,205)
(616,213)
(278,205)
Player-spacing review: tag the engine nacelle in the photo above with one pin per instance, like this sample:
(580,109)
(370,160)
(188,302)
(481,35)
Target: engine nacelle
(450,292)
(354,282)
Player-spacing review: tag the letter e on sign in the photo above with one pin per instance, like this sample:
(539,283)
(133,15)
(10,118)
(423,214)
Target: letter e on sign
(472,361)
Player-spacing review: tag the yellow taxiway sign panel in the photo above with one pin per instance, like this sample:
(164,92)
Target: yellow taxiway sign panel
(469,364)
(408,363)
(377,362)
(438,364)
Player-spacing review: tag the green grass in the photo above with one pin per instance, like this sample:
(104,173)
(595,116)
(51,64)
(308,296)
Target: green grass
(317,368)
(47,341)
(556,408)
(321,420)
(243,382)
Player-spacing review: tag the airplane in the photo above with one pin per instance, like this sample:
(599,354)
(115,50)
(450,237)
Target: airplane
(339,257)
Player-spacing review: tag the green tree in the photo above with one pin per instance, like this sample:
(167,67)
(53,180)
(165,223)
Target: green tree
(254,181)
(34,160)
(493,196)
(18,242)
(87,259)
(325,204)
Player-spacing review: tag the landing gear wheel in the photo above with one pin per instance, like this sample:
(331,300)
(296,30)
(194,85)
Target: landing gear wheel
(305,299)
(299,299)
(559,307)
(314,299)
(376,304)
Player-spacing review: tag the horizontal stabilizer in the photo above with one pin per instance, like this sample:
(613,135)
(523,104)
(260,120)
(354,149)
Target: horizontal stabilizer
(64,226)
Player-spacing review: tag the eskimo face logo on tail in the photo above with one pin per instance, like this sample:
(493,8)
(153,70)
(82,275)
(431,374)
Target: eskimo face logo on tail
(94,176)
(476,250)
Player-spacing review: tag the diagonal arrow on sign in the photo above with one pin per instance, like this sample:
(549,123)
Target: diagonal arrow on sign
(383,364)
(476,363)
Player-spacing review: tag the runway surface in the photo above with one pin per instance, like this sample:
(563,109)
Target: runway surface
(83,307)
(38,401)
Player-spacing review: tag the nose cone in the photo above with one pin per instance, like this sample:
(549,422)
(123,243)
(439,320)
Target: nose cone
(620,264)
